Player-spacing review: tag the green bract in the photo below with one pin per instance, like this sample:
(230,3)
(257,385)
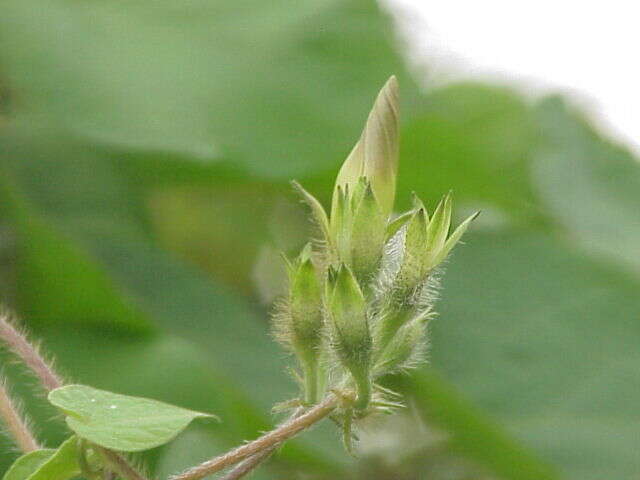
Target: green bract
(370,289)
(119,422)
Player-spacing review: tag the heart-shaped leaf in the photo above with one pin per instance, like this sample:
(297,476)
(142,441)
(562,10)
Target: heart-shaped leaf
(120,422)
(24,466)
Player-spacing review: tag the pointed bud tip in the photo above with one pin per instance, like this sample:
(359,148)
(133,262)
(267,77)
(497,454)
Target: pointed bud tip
(392,85)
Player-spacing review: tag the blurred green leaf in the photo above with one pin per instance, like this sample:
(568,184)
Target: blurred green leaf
(257,86)
(120,422)
(547,356)
(590,186)
(77,189)
(474,139)
(27,464)
(470,432)
(164,291)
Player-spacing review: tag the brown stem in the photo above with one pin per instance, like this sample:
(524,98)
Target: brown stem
(28,353)
(15,424)
(249,464)
(267,441)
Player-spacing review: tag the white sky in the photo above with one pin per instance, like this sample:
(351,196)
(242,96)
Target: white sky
(587,48)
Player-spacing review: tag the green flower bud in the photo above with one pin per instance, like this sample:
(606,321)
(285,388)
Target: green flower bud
(351,337)
(426,245)
(367,235)
(413,267)
(375,156)
(427,242)
(358,229)
(301,323)
(305,305)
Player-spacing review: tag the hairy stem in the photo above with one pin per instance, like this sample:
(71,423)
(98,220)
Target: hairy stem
(15,424)
(272,439)
(29,354)
(311,382)
(363,385)
(249,464)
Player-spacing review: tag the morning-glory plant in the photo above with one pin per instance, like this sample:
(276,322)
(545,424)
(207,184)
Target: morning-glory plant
(359,298)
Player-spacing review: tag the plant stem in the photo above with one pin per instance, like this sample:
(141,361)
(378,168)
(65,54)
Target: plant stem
(363,385)
(249,464)
(15,424)
(269,440)
(311,382)
(28,353)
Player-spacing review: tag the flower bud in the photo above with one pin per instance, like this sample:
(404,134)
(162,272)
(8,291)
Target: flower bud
(358,229)
(427,243)
(375,156)
(413,266)
(305,306)
(351,337)
(300,325)
(367,234)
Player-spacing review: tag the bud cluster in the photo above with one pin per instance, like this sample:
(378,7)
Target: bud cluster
(358,303)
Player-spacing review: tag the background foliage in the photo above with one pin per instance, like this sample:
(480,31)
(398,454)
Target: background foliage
(145,155)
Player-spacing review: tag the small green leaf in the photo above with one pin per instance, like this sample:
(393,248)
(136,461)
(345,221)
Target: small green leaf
(62,465)
(120,422)
(24,466)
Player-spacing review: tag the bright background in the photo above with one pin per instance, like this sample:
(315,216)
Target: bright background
(587,50)
(145,155)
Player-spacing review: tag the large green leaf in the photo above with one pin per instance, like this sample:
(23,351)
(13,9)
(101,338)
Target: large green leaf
(544,338)
(470,432)
(120,422)
(590,185)
(27,464)
(261,84)
(474,139)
